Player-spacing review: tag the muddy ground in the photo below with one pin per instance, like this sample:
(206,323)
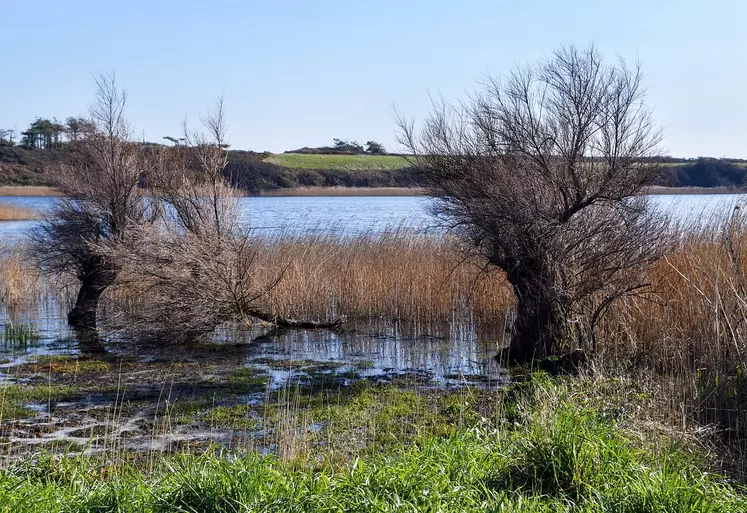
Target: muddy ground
(228,396)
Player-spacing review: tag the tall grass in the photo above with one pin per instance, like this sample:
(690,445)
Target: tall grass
(19,279)
(400,276)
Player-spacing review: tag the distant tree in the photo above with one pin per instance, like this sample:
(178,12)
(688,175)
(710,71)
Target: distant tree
(348,146)
(78,128)
(375,148)
(175,140)
(43,133)
(7,137)
(355,147)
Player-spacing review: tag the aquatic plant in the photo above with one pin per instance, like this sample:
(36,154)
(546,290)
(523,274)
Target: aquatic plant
(20,335)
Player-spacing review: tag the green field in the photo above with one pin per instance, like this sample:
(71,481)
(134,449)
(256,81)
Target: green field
(338,162)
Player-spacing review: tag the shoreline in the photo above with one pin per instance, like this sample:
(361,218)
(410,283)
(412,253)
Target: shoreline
(27,190)
(663,190)
(40,191)
(342,191)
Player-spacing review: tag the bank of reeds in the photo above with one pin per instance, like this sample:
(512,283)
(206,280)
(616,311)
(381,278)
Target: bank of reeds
(28,190)
(400,276)
(15,213)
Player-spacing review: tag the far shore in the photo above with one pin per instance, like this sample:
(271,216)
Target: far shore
(40,190)
(658,189)
(28,190)
(345,191)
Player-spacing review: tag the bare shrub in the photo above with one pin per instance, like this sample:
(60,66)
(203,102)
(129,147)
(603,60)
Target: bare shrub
(196,268)
(538,175)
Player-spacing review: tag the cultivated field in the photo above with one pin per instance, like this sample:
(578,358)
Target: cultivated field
(339,162)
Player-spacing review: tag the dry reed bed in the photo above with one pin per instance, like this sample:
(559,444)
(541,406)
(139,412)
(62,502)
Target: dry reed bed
(28,190)
(15,213)
(411,278)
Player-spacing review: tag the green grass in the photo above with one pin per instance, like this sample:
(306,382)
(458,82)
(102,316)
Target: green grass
(13,398)
(553,446)
(235,417)
(339,162)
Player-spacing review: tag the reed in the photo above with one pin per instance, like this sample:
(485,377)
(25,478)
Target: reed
(19,279)
(20,335)
(28,190)
(397,277)
(15,213)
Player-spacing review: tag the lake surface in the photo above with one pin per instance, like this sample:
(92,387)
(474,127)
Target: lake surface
(364,214)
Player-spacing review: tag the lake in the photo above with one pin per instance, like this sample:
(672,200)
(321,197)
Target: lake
(364,214)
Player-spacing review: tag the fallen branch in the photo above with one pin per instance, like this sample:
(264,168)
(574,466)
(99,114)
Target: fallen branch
(285,322)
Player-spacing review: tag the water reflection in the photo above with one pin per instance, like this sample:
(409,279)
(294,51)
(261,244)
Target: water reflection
(460,354)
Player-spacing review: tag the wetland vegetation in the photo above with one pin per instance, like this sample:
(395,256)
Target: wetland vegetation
(160,355)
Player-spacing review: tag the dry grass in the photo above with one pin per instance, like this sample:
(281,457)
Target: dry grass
(394,277)
(346,191)
(19,280)
(28,190)
(15,213)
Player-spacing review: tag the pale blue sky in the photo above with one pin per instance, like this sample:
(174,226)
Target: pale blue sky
(299,73)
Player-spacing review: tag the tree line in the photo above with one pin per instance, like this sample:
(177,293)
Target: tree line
(49,133)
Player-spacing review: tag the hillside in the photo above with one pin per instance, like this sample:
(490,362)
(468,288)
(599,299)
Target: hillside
(259,172)
(21,166)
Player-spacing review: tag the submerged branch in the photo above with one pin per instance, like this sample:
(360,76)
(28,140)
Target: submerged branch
(285,322)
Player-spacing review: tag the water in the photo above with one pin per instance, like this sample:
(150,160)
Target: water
(365,214)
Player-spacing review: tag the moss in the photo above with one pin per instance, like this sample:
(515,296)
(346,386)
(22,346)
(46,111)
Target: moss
(233,417)
(246,381)
(68,365)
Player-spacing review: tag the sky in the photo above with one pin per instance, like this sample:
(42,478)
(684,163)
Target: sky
(299,73)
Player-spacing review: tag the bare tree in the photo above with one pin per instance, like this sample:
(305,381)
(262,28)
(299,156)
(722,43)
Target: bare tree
(101,202)
(540,173)
(196,268)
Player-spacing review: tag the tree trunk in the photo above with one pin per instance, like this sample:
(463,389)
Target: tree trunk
(540,324)
(100,275)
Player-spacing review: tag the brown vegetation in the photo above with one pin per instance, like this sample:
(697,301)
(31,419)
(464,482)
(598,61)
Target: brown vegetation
(28,190)
(15,213)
